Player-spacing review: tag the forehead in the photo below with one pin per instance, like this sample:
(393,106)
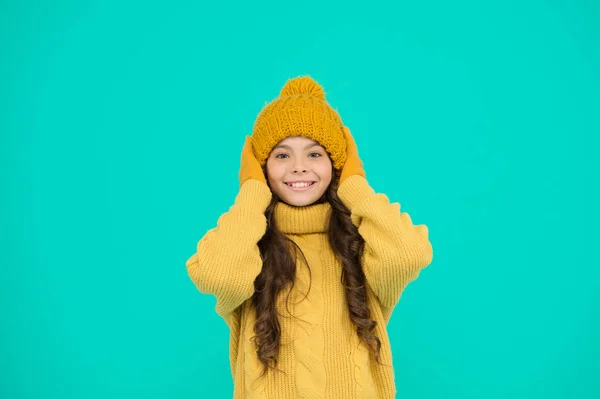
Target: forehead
(297,141)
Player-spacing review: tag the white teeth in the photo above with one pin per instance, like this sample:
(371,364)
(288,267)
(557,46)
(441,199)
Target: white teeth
(300,185)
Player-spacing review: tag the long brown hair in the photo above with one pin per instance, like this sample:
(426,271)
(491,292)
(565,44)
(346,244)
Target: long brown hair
(279,270)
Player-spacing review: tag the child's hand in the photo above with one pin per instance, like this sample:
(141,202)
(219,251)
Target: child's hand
(250,167)
(353,164)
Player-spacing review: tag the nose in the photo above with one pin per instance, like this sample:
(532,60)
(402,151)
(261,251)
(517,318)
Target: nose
(299,167)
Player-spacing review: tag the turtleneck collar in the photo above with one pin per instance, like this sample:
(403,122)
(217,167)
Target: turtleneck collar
(303,219)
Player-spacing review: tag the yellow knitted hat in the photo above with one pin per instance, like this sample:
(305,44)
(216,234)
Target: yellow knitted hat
(300,110)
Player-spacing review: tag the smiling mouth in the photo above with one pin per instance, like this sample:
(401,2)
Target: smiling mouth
(300,186)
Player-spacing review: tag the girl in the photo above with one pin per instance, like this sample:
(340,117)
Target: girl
(309,262)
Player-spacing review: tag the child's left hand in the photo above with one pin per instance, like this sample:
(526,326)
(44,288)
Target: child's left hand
(353,164)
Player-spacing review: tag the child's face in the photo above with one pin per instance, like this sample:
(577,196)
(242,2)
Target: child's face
(299,160)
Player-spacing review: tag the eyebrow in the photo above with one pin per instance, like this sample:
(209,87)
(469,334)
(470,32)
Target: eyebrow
(289,148)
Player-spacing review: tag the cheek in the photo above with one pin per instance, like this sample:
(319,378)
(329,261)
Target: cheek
(325,172)
(274,172)
(327,177)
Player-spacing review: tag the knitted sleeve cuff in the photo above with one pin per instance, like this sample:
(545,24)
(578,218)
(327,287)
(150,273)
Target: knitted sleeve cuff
(354,190)
(254,195)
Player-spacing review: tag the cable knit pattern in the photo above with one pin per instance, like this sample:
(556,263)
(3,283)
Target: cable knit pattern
(321,356)
(362,376)
(309,343)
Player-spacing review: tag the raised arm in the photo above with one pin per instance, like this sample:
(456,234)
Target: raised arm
(227,258)
(395,249)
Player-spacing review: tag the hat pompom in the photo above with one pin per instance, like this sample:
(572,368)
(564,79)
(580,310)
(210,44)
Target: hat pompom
(302,85)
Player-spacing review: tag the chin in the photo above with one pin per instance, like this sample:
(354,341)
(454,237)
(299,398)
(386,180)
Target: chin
(299,199)
(299,202)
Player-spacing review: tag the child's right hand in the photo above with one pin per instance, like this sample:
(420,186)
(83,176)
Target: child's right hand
(250,167)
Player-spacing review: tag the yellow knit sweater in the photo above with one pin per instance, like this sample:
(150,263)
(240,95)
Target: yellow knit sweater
(320,355)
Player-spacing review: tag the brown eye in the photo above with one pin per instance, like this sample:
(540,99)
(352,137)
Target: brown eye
(315,154)
(280,156)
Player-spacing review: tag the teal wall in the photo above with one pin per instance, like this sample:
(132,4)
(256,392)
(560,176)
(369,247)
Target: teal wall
(121,127)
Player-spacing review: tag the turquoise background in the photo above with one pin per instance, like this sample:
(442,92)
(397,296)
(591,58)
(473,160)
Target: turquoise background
(121,128)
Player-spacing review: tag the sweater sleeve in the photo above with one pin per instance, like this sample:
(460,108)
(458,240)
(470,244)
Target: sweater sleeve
(227,258)
(395,249)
